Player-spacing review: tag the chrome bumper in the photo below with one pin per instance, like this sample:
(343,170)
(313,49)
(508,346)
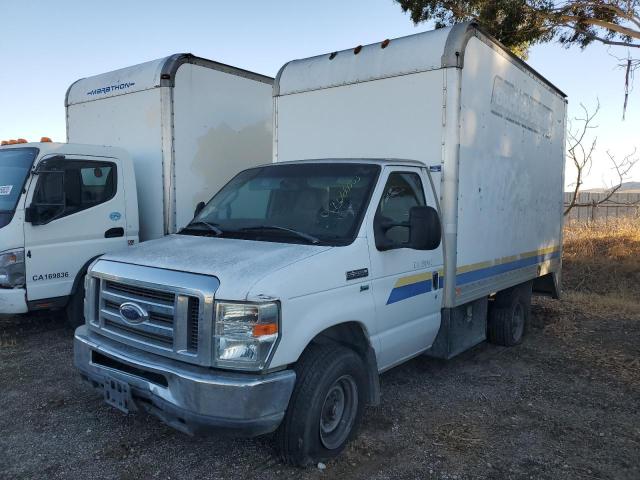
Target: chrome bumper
(187,397)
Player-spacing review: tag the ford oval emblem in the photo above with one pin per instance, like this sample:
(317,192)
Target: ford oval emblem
(133,313)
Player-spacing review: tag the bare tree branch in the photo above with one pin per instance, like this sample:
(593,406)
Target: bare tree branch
(581,152)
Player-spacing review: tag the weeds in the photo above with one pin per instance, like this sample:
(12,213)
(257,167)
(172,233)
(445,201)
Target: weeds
(601,264)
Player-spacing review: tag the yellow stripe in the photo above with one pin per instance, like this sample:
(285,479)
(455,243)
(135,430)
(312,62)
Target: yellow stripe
(512,258)
(420,277)
(474,266)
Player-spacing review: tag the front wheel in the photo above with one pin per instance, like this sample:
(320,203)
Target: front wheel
(75,308)
(326,405)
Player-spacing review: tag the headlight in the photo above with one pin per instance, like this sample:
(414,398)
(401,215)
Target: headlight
(245,334)
(12,272)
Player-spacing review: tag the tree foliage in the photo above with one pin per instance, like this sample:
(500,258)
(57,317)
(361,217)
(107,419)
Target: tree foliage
(518,24)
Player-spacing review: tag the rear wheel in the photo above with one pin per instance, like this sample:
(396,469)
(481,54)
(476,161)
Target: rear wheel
(326,405)
(509,315)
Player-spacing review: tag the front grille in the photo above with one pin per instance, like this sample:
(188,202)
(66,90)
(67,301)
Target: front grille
(193,323)
(140,292)
(173,318)
(138,334)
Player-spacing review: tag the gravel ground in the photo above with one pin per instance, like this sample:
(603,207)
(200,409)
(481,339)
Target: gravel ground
(564,404)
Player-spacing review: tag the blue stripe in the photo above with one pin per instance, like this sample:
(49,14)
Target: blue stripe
(482,273)
(408,291)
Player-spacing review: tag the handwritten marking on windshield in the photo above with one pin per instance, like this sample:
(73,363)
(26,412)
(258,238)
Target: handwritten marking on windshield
(337,205)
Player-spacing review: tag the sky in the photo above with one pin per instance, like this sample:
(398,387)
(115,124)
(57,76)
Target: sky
(45,46)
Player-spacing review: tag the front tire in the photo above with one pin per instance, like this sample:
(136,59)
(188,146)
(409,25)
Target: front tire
(74,312)
(326,405)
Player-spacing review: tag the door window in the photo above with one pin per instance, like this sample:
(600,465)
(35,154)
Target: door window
(69,186)
(402,191)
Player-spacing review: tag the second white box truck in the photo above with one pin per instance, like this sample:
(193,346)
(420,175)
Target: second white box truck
(414,205)
(145,145)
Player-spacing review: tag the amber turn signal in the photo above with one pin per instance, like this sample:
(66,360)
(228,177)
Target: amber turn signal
(261,329)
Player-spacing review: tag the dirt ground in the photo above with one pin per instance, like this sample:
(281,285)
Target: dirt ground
(564,404)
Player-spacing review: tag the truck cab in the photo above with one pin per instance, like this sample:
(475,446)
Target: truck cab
(62,206)
(205,328)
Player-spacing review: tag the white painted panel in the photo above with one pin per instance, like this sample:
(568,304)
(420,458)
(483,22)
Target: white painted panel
(401,56)
(133,123)
(397,117)
(222,125)
(117,82)
(511,160)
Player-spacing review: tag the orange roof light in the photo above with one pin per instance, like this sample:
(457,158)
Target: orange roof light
(4,142)
(45,140)
(13,142)
(22,140)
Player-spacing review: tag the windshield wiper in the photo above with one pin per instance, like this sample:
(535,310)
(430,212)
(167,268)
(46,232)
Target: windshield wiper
(306,236)
(213,227)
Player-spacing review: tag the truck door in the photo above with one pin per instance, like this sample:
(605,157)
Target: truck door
(406,283)
(76,211)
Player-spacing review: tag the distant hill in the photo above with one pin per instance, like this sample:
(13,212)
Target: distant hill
(627,187)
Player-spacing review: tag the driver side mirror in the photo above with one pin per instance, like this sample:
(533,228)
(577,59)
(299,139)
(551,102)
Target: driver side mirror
(425,230)
(199,208)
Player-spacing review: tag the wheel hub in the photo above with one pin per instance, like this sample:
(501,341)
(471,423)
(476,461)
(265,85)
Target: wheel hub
(338,412)
(517,322)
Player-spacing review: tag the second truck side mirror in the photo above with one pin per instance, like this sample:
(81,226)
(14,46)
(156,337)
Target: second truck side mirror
(49,200)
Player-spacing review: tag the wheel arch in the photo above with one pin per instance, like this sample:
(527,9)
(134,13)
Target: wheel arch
(81,274)
(355,336)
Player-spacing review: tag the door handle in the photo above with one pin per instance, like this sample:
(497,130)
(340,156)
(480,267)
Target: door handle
(114,232)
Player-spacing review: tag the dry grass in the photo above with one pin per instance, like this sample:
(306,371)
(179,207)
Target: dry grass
(598,316)
(601,265)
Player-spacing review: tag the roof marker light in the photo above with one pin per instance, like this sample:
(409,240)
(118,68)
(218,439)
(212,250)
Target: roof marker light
(21,140)
(3,143)
(333,55)
(45,140)
(385,43)
(357,49)
(13,142)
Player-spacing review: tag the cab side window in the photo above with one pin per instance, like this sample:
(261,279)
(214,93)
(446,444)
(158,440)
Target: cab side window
(402,191)
(70,186)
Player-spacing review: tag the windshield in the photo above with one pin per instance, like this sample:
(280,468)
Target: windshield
(15,164)
(317,203)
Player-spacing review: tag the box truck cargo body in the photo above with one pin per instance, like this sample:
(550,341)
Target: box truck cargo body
(146,144)
(414,204)
(189,124)
(490,129)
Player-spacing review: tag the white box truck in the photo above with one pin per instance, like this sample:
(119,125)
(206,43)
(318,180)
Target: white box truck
(414,204)
(146,144)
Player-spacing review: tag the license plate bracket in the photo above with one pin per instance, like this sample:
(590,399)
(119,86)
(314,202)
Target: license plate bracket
(118,394)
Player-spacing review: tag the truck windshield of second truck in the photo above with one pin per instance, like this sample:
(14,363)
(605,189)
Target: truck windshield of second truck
(315,203)
(14,168)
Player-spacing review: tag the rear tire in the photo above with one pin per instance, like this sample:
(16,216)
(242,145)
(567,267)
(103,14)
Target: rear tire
(75,308)
(326,405)
(509,316)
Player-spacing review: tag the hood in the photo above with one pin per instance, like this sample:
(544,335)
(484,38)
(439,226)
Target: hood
(238,264)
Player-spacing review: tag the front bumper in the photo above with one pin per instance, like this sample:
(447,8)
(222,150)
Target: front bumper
(187,397)
(13,301)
